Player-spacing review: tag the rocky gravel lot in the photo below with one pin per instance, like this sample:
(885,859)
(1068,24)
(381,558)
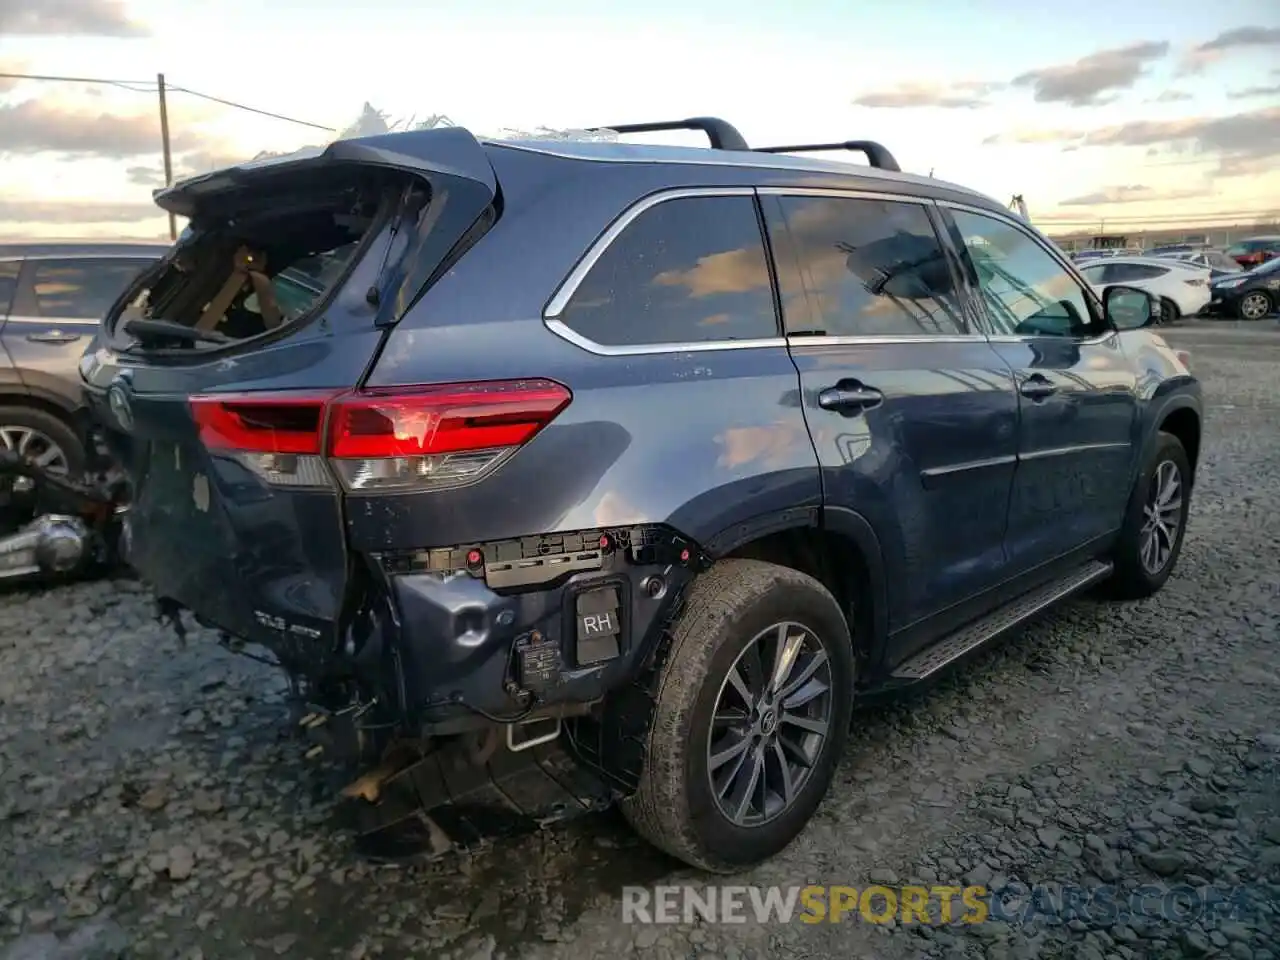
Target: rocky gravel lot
(152,806)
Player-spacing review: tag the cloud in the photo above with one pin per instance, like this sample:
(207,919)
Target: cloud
(1132,193)
(65,18)
(970,93)
(1242,37)
(1086,81)
(75,212)
(1238,38)
(1172,96)
(1249,93)
(1242,142)
(38,126)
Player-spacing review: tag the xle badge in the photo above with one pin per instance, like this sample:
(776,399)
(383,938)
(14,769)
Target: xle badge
(200,493)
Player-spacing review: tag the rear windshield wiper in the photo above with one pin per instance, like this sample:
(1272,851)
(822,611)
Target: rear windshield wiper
(142,328)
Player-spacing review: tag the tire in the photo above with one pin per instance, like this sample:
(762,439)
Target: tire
(676,807)
(47,426)
(1254,305)
(1133,578)
(1169,312)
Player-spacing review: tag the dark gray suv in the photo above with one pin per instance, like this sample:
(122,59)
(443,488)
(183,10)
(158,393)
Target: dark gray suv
(598,471)
(53,296)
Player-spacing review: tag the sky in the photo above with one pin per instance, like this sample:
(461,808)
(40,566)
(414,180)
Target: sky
(1101,114)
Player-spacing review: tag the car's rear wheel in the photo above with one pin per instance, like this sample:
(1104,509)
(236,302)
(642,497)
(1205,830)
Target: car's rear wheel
(1169,312)
(1254,305)
(751,716)
(1155,523)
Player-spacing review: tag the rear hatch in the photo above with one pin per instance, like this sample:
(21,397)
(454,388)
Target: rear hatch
(216,373)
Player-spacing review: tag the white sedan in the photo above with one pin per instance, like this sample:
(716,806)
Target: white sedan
(1182,287)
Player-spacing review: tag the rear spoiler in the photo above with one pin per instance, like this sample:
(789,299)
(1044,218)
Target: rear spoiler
(725,136)
(449,152)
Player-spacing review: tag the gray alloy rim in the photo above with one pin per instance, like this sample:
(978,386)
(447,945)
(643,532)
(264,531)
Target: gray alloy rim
(36,447)
(772,718)
(1254,306)
(1161,517)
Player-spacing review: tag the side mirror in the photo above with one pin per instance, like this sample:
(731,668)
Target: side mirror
(1129,308)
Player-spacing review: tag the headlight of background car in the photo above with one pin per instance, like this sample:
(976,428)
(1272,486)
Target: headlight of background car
(1233,282)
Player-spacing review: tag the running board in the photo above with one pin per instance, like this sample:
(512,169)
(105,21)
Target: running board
(974,635)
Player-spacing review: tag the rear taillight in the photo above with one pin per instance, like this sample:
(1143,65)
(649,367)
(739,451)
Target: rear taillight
(391,439)
(1196,282)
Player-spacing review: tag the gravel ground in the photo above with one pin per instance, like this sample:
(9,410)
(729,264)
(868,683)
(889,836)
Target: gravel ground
(151,805)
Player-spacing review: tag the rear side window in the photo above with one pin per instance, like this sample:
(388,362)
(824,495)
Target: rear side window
(871,268)
(80,289)
(689,270)
(8,284)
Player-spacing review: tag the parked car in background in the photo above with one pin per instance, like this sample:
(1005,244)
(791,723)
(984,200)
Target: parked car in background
(1167,248)
(52,298)
(1216,261)
(1256,250)
(1181,287)
(1251,295)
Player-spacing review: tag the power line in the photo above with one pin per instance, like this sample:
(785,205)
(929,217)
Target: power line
(136,86)
(150,86)
(241,106)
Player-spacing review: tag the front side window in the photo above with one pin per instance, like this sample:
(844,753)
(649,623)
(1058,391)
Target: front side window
(871,268)
(1026,291)
(81,289)
(687,270)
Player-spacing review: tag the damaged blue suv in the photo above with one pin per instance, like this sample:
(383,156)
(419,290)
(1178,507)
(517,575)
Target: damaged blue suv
(598,472)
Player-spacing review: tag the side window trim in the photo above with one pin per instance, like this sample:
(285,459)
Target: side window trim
(1095,305)
(929,204)
(555,307)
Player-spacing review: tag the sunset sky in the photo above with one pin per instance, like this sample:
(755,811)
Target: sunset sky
(1137,112)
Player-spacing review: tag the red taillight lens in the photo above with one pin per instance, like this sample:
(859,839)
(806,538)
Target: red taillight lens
(261,423)
(390,439)
(418,421)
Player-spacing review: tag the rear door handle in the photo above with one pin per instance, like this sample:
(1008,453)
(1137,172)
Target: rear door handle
(849,395)
(1036,387)
(55,336)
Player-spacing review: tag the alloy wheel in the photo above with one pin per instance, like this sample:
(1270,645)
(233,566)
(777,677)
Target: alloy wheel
(1254,306)
(772,717)
(35,447)
(1161,517)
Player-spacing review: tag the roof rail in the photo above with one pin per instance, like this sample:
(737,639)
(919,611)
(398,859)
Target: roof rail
(877,154)
(722,134)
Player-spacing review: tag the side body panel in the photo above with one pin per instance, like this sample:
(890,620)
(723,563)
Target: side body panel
(701,439)
(1078,405)
(47,332)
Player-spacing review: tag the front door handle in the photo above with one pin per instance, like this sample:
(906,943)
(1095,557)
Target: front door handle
(54,336)
(849,395)
(1036,387)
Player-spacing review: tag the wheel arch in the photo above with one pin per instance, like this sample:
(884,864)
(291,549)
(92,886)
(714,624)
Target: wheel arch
(837,547)
(1184,423)
(38,400)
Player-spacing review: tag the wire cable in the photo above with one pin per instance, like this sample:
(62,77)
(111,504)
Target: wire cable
(245,107)
(151,86)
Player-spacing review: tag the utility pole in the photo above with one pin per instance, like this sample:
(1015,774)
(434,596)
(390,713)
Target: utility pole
(168,155)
